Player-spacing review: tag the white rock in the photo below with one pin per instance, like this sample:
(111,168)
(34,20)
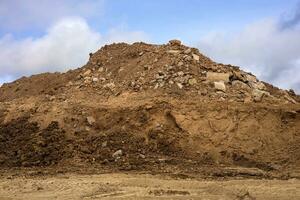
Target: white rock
(117,154)
(220,86)
(95,79)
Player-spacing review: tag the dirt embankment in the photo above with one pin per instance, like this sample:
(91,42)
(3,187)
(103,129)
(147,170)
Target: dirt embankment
(159,108)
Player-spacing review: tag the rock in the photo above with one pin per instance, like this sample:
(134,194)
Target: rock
(95,79)
(110,86)
(187,58)
(117,154)
(142,53)
(121,69)
(181,73)
(180,64)
(213,76)
(173,52)
(175,42)
(251,78)
(70,83)
(258,95)
(188,51)
(240,85)
(258,86)
(142,156)
(87,72)
(290,99)
(91,120)
(239,76)
(104,144)
(101,69)
(220,86)
(180,85)
(196,57)
(192,81)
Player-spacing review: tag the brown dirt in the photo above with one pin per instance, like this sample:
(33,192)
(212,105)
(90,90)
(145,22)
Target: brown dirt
(150,108)
(140,186)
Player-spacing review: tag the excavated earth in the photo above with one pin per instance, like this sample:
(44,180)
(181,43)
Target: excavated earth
(151,109)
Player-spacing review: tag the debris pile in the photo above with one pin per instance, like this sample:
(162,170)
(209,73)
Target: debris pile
(142,106)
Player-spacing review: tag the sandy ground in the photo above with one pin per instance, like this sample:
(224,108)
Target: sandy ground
(143,186)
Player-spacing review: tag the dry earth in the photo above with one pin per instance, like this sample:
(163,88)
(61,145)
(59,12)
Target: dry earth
(142,186)
(165,110)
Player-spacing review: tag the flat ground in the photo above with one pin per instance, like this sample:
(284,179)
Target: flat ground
(143,186)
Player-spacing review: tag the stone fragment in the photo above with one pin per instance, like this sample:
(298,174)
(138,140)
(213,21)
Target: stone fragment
(258,95)
(87,72)
(188,51)
(213,76)
(117,154)
(192,81)
(240,85)
(91,120)
(180,64)
(220,86)
(101,69)
(175,52)
(180,85)
(175,42)
(95,80)
(196,57)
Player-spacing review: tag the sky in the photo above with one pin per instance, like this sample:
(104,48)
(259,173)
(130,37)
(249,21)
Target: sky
(260,36)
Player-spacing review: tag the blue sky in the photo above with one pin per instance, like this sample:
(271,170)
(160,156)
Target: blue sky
(56,35)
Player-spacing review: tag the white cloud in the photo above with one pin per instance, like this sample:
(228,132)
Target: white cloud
(66,45)
(264,48)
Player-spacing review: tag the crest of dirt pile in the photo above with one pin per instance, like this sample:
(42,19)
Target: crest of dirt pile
(142,106)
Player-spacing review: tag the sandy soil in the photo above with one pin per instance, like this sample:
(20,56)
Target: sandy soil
(143,186)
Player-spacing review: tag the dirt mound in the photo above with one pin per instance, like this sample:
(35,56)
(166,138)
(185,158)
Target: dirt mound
(149,107)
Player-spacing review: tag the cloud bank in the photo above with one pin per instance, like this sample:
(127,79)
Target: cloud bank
(65,45)
(268,48)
